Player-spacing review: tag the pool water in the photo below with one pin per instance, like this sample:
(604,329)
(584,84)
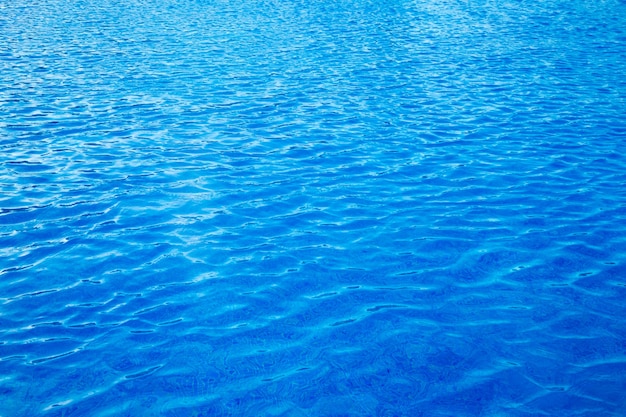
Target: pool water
(313,208)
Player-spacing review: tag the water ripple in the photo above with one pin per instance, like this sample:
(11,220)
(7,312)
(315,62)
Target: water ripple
(312,208)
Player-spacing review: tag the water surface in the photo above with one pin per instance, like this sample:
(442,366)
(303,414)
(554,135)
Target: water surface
(312,208)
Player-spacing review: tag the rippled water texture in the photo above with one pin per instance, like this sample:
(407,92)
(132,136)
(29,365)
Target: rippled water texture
(312,208)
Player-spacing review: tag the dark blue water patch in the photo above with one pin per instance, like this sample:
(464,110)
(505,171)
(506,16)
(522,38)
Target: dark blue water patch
(312,208)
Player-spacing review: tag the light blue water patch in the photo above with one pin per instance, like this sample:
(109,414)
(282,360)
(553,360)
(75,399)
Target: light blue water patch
(312,208)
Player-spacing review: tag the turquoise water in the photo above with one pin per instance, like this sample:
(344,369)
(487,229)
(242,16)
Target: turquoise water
(313,208)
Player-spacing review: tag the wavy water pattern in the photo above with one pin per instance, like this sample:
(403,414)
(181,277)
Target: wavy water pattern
(290,208)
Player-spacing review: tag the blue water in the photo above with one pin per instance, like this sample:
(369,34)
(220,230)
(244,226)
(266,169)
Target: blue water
(313,208)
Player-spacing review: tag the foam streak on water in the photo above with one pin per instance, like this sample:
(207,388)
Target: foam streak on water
(309,208)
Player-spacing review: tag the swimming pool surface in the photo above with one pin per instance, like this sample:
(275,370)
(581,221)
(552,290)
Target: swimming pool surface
(313,208)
